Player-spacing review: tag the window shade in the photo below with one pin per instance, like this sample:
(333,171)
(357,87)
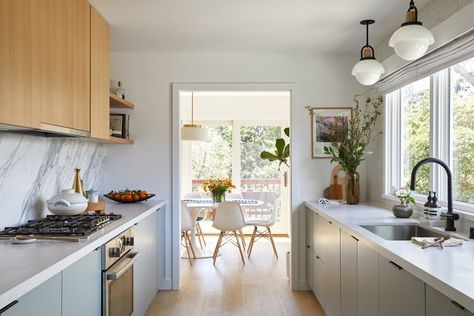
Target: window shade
(453,52)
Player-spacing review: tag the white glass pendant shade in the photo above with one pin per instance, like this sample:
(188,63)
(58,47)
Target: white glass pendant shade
(194,132)
(368,71)
(411,41)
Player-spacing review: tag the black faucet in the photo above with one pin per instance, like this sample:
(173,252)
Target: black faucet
(450,216)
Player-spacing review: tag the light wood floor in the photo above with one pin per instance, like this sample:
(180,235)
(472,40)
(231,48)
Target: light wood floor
(229,288)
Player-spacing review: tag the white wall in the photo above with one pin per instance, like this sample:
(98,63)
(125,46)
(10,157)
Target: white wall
(322,80)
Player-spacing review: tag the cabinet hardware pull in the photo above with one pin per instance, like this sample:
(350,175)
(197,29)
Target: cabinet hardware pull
(330,222)
(399,268)
(355,238)
(307,246)
(318,257)
(3,310)
(458,305)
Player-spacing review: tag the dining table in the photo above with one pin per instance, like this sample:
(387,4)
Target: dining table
(198,205)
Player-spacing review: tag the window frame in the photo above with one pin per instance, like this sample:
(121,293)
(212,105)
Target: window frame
(441,142)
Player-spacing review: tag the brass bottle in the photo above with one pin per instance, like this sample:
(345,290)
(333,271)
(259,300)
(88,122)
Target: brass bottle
(77,184)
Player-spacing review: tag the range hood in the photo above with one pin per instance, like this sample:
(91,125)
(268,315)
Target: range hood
(45,130)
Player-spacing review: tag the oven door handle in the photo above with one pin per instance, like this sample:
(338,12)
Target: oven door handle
(122,266)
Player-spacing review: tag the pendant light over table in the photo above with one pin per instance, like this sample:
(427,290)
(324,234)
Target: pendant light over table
(412,39)
(368,70)
(194,132)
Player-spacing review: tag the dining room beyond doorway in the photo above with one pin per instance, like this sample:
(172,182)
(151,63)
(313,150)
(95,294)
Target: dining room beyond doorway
(221,163)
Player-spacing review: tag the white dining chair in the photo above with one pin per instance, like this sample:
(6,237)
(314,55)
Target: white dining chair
(186,227)
(199,234)
(229,219)
(266,233)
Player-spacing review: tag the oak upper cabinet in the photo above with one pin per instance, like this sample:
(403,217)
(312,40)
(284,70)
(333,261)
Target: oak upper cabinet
(348,274)
(367,280)
(61,62)
(100,108)
(17,80)
(400,293)
(438,304)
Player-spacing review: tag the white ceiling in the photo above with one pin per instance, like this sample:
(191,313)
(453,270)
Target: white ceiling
(263,26)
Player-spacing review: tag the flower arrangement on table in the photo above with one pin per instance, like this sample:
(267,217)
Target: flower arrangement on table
(218,188)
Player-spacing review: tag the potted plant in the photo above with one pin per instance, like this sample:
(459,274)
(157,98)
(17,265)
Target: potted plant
(349,143)
(403,210)
(218,188)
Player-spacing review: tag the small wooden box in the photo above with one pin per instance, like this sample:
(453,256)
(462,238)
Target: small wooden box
(98,207)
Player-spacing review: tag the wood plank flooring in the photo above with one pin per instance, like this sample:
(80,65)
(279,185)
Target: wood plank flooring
(230,288)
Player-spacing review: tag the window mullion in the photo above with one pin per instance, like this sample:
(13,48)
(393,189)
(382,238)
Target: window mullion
(440,129)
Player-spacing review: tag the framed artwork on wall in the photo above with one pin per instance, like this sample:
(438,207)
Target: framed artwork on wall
(324,121)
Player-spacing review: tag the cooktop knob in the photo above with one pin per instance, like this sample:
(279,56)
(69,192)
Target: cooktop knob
(114,252)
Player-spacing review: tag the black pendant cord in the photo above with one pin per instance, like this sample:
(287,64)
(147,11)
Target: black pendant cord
(367,35)
(372,55)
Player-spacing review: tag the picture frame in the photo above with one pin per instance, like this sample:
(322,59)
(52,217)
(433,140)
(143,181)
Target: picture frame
(117,125)
(323,120)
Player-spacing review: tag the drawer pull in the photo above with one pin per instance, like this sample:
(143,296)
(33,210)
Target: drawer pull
(357,239)
(3,310)
(307,246)
(318,257)
(396,265)
(458,305)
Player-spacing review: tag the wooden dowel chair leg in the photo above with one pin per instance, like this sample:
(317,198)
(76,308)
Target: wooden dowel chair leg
(238,245)
(252,241)
(273,243)
(187,247)
(216,251)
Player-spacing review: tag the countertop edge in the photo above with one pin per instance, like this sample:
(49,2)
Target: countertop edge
(421,274)
(44,275)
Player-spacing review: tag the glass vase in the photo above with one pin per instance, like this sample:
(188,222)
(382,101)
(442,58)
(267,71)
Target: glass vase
(352,187)
(218,197)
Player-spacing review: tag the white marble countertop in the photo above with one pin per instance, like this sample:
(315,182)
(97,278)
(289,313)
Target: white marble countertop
(25,266)
(450,271)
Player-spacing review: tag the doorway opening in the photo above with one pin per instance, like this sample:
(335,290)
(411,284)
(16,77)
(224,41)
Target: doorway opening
(241,124)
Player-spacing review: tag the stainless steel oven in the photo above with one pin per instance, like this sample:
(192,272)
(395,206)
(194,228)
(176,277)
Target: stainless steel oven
(117,275)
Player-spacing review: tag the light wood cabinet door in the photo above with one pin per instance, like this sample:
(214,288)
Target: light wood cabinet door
(17,81)
(100,83)
(400,292)
(61,62)
(348,274)
(367,280)
(438,304)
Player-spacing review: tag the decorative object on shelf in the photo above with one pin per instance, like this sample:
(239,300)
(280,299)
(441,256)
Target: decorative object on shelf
(412,39)
(282,151)
(324,122)
(403,210)
(78,184)
(67,202)
(368,70)
(129,196)
(218,188)
(194,132)
(337,187)
(118,125)
(349,142)
(118,90)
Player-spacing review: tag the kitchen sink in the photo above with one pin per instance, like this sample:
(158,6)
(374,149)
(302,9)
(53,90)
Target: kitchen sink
(402,232)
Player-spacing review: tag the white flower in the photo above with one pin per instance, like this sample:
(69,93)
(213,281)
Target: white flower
(402,192)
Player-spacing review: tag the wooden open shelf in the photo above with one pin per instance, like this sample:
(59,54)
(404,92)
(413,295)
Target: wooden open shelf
(118,140)
(118,103)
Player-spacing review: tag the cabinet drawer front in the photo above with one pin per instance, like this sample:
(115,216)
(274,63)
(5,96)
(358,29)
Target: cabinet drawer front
(438,304)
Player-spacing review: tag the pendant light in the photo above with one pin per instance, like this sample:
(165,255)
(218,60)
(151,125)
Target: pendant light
(194,132)
(412,39)
(368,70)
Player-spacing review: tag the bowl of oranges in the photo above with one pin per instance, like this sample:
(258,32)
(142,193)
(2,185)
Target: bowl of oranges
(129,196)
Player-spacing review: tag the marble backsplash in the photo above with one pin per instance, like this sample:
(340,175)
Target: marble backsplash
(34,168)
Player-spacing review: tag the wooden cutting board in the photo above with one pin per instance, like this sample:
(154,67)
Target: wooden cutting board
(337,185)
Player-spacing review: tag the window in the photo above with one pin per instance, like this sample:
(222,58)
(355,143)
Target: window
(433,117)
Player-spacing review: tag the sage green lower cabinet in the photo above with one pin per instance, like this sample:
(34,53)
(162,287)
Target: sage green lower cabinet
(438,304)
(82,286)
(367,280)
(44,300)
(145,268)
(400,292)
(348,274)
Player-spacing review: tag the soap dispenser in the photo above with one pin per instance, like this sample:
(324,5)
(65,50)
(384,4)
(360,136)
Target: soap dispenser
(435,209)
(426,208)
